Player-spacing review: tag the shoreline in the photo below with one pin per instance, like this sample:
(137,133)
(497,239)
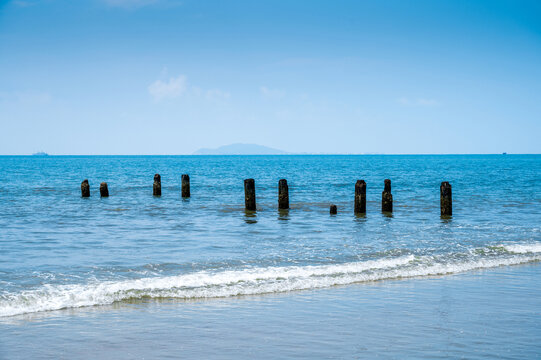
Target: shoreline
(420,317)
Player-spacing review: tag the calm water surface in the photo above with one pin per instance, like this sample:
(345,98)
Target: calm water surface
(86,266)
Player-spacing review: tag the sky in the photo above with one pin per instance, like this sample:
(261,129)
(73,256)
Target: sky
(348,77)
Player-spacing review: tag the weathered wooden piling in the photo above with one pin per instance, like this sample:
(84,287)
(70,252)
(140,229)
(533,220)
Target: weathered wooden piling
(333,210)
(249,194)
(283,194)
(387,197)
(185,186)
(446,199)
(85,188)
(104,191)
(360,197)
(157,187)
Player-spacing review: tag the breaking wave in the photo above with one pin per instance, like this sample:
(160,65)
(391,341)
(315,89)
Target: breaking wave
(254,280)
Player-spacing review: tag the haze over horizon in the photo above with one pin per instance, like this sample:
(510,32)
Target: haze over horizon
(248,149)
(171,77)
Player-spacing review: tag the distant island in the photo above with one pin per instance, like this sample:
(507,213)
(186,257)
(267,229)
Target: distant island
(240,149)
(40,153)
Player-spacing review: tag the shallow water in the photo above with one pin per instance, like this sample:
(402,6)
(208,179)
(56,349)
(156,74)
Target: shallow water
(483,314)
(60,251)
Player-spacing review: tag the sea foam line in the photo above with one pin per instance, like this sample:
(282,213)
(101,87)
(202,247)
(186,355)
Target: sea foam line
(523,248)
(253,281)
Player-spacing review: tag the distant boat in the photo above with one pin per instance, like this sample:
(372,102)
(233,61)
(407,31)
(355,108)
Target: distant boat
(40,153)
(504,153)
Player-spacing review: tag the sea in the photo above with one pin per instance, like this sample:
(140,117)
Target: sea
(136,276)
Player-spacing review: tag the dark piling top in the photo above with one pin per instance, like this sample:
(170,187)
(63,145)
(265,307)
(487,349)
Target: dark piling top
(104,190)
(157,186)
(360,197)
(85,188)
(249,194)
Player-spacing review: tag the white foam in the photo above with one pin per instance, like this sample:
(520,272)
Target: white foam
(523,248)
(250,281)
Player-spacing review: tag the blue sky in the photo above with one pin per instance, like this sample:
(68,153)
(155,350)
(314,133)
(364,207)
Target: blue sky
(169,77)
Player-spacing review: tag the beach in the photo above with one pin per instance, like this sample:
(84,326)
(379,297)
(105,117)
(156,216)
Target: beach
(476,315)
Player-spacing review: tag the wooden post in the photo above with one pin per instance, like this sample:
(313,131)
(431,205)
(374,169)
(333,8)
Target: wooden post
(85,188)
(446,199)
(387,197)
(185,186)
(360,197)
(157,187)
(249,194)
(104,191)
(283,194)
(333,210)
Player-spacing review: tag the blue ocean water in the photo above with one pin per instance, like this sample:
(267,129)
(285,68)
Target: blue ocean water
(59,251)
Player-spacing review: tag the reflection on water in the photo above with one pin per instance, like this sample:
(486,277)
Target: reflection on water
(283,214)
(446,219)
(250,216)
(360,218)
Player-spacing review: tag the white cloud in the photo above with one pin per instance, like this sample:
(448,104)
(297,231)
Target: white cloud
(173,88)
(217,94)
(271,93)
(177,87)
(418,102)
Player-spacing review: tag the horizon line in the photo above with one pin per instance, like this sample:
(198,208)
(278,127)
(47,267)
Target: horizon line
(287,154)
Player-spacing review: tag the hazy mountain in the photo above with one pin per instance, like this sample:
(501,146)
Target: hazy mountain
(240,149)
